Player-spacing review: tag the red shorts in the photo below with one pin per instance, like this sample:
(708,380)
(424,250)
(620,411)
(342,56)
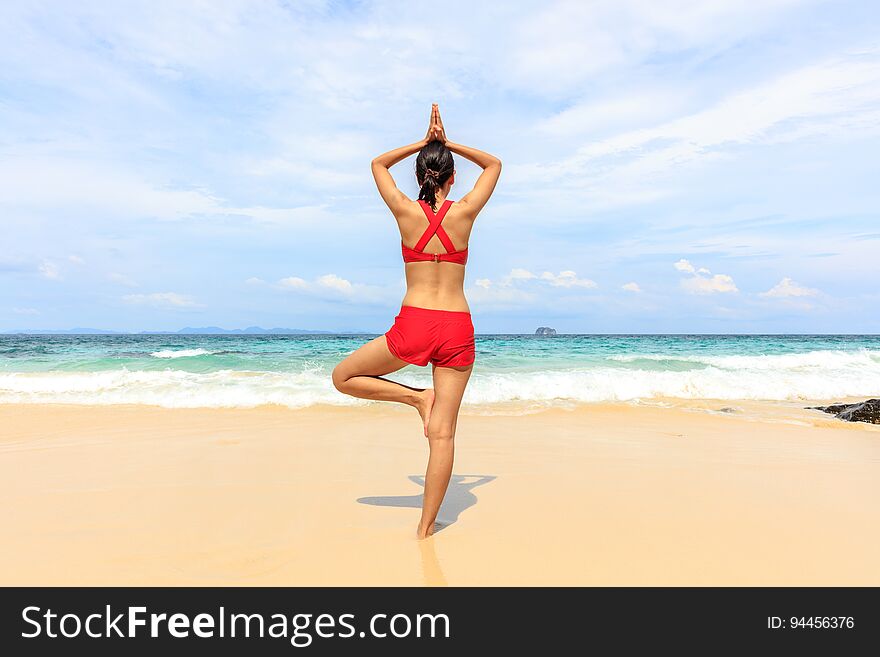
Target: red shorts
(424,335)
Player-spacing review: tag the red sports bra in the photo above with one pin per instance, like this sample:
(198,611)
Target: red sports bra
(417,254)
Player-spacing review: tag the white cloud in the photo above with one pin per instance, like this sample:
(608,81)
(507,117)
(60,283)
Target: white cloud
(565,278)
(75,259)
(315,177)
(25,311)
(122,279)
(332,286)
(518,274)
(569,43)
(50,270)
(334,282)
(709,284)
(631,287)
(162,300)
(47,182)
(94,185)
(701,281)
(788,288)
(293,282)
(522,286)
(685,266)
(836,97)
(253,280)
(790,106)
(330,282)
(608,113)
(500,297)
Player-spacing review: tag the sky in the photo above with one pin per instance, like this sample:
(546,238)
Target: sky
(668,166)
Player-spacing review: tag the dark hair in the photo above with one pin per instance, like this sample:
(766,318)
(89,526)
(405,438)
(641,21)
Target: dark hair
(434,166)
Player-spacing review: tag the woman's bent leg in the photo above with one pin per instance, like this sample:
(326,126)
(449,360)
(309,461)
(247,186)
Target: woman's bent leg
(358,375)
(449,385)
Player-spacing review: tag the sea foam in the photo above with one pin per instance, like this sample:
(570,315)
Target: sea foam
(815,375)
(181,353)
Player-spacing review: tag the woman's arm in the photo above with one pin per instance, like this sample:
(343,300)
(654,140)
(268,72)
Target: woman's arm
(393,197)
(389,159)
(475,199)
(478,157)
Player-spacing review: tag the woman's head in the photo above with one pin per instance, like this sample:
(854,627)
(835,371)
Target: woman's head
(434,168)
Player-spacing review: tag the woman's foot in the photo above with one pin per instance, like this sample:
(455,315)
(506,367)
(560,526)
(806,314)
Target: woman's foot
(424,532)
(424,405)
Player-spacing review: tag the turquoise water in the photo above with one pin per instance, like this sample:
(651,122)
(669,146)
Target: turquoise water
(249,370)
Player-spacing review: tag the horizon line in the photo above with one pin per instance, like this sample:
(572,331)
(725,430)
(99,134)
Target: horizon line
(240,332)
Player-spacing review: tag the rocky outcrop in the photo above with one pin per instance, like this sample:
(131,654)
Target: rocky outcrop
(545,330)
(866,411)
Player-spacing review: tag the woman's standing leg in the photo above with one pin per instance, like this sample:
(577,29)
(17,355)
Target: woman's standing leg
(358,375)
(449,385)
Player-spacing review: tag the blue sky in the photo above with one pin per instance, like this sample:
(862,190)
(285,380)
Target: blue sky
(668,166)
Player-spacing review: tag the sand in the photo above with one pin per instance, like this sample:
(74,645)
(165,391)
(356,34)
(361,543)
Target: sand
(616,494)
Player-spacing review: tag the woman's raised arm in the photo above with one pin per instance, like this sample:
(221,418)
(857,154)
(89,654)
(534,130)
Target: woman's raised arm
(475,199)
(393,197)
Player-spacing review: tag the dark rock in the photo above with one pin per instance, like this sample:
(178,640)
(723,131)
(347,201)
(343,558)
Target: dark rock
(727,409)
(866,411)
(545,330)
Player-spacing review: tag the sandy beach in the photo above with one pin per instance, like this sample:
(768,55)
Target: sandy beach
(610,494)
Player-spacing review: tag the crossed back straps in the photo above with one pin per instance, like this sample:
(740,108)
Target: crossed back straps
(418,254)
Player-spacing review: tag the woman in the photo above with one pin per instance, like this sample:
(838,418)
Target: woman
(434,324)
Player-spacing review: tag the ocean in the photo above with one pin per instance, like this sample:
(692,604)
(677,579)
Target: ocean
(192,371)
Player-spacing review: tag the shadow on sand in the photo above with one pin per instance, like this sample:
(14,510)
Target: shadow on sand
(458,497)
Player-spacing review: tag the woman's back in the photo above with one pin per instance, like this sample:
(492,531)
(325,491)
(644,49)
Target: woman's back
(437,279)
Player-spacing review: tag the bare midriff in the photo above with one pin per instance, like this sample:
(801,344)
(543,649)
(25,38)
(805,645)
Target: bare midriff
(436,285)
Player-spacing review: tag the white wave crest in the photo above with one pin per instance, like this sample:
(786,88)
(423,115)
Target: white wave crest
(171,388)
(181,353)
(820,359)
(818,375)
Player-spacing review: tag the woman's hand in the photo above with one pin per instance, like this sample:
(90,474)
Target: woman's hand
(435,128)
(439,130)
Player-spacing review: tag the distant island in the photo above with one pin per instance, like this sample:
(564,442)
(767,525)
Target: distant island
(545,330)
(189,330)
